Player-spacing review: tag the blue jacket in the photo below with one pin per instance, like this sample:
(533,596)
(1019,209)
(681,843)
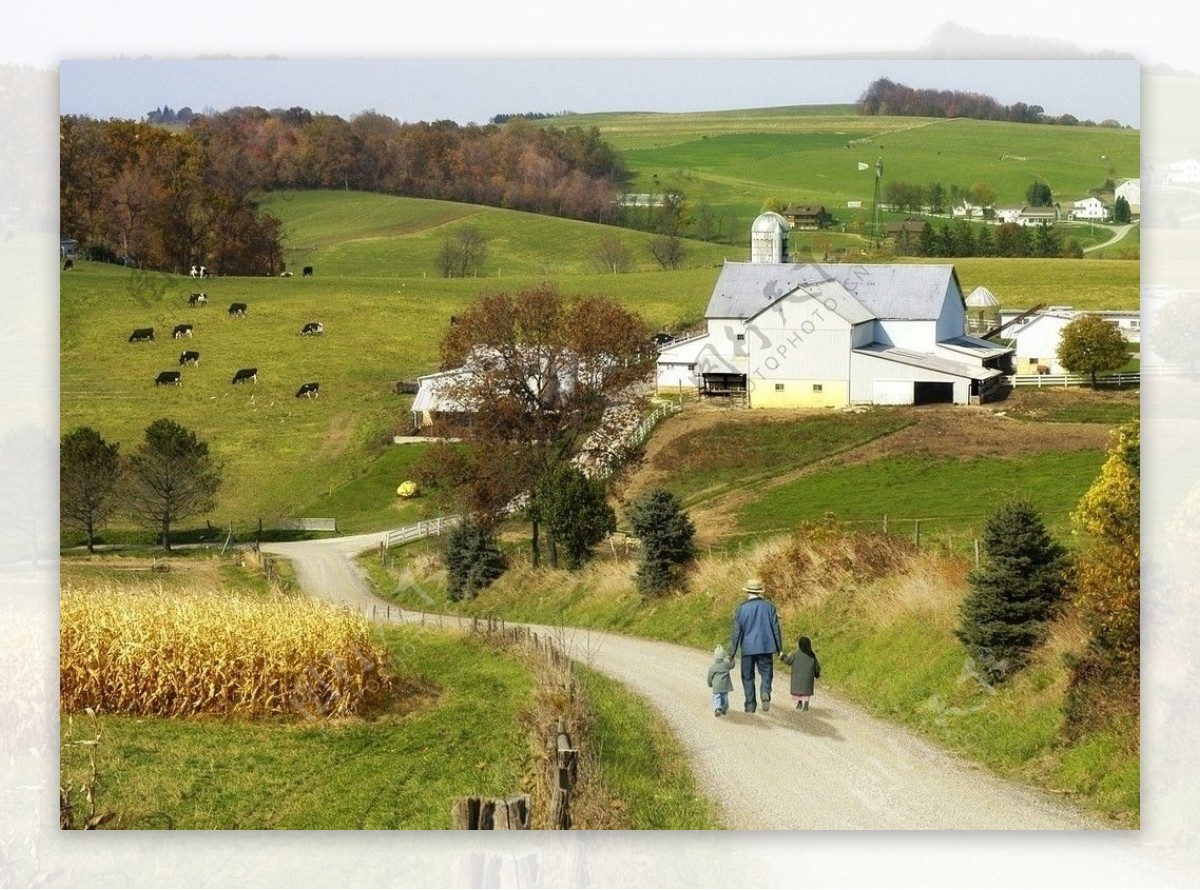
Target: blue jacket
(756,629)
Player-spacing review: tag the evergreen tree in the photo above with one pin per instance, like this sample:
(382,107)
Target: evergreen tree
(171,477)
(1047,241)
(1122,212)
(575,514)
(88,471)
(985,244)
(473,561)
(929,240)
(668,540)
(1013,593)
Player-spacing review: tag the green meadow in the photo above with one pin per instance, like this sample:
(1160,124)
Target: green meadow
(378,292)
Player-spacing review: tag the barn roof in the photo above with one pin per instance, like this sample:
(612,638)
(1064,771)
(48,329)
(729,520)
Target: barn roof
(899,291)
(927,362)
(833,296)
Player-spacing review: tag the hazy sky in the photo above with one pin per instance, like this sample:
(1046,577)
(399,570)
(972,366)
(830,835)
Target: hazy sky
(474,90)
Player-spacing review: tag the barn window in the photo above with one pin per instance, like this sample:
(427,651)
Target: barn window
(818,387)
(1135,324)
(778,387)
(741,337)
(691,367)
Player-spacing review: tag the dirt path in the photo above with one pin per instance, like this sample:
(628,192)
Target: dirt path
(832,767)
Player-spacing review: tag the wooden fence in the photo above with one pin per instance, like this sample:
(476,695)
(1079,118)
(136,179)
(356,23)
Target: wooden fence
(426,528)
(1042,381)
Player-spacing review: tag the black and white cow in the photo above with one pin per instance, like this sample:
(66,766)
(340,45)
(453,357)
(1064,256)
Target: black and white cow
(198,299)
(168,378)
(182,330)
(189,358)
(309,390)
(311,329)
(238,309)
(245,374)
(308,272)
(285,274)
(141,335)
(68,265)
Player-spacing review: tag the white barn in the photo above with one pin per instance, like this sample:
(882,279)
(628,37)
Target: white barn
(832,335)
(1131,191)
(1037,335)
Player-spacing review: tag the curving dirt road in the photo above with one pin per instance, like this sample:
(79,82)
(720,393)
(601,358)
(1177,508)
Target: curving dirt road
(833,767)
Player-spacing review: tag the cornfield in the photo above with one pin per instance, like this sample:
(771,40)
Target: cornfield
(186,654)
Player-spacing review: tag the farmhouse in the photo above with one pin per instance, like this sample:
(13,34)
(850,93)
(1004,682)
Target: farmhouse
(807,216)
(1089,208)
(1184,172)
(1036,335)
(1036,216)
(831,335)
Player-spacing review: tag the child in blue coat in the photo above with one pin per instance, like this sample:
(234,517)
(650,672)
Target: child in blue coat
(718,679)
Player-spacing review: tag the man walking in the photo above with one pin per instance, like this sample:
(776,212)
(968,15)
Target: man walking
(757,635)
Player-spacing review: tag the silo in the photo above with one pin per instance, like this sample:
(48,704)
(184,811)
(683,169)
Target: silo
(983,311)
(769,239)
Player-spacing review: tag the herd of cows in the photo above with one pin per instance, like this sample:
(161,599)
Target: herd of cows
(308,390)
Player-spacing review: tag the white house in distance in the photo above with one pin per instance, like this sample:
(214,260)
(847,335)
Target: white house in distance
(831,335)
(1036,336)
(1131,191)
(1184,172)
(1089,208)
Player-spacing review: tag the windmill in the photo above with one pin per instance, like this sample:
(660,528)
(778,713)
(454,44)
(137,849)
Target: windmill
(875,200)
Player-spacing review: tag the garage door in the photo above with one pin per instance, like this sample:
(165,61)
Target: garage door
(892,392)
(928,393)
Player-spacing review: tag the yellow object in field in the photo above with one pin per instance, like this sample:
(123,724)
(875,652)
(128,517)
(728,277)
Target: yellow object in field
(407,489)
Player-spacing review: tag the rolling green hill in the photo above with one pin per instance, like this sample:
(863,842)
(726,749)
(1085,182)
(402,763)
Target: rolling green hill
(378,293)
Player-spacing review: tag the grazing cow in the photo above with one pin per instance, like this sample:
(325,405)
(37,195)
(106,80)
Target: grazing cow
(309,390)
(189,358)
(198,299)
(195,272)
(203,272)
(662,338)
(405,388)
(453,320)
(141,335)
(244,374)
(307,272)
(285,274)
(182,330)
(68,265)
(313,327)
(168,378)
(237,309)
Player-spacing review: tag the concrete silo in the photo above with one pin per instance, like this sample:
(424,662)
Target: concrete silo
(769,239)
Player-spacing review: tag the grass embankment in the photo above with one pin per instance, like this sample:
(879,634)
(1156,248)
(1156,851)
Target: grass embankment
(881,616)
(456,717)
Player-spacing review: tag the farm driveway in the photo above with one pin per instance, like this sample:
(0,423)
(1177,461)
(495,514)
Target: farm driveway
(833,767)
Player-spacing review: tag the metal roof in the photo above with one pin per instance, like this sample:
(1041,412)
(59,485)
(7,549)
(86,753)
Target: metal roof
(833,296)
(899,291)
(928,362)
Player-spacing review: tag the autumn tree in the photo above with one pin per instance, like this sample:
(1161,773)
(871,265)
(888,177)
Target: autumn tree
(89,469)
(538,371)
(1013,593)
(1106,589)
(1175,331)
(1090,345)
(171,477)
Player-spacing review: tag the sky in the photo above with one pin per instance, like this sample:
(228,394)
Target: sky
(466,90)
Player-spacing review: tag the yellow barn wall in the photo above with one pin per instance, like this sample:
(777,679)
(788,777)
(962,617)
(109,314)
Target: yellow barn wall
(799,394)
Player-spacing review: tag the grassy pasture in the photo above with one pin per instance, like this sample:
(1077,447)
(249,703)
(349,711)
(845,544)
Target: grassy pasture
(394,237)
(815,160)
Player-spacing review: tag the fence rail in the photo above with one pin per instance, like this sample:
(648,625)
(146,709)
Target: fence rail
(426,528)
(1049,380)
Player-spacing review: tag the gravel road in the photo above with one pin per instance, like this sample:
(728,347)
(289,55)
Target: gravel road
(832,767)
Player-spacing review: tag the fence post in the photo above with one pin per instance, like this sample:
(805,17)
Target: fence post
(917,531)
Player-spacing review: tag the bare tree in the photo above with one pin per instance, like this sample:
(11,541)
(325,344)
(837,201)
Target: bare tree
(611,255)
(668,250)
(462,252)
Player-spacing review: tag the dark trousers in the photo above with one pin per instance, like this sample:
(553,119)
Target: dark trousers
(766,672)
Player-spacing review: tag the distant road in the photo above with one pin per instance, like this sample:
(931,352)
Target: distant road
(832,767)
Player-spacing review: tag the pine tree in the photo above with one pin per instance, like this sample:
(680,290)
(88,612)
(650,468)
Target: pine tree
(575,514)
(473,561)
(668,540)
(1013,593)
